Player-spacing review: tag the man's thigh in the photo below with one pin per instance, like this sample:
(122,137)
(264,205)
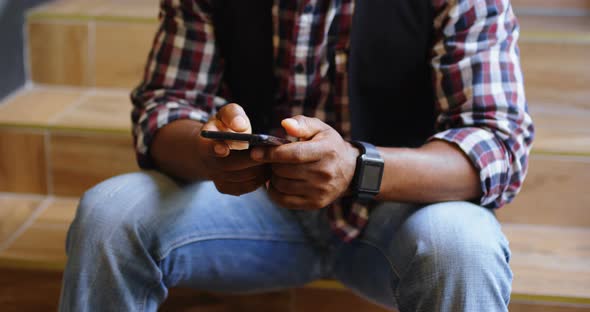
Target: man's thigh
(197,236)
(407,249)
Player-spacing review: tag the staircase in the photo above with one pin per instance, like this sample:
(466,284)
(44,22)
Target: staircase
(69,129)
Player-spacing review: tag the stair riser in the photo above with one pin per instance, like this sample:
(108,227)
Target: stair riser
(556,73)
(555,193)
(61,163)
(88,53)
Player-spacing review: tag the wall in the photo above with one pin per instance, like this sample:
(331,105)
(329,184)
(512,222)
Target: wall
(12,20)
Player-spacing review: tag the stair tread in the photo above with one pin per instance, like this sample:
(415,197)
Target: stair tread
(68,108)
(142,10)
(548,261)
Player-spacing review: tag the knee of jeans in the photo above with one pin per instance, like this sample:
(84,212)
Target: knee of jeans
(107,209)
(461,238)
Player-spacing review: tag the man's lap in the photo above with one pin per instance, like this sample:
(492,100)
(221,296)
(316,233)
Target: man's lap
(212,241)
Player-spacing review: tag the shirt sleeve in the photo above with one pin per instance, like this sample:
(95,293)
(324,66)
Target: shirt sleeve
(479,92)
(182,74)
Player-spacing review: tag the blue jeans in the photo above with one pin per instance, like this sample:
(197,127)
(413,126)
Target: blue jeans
(136,235)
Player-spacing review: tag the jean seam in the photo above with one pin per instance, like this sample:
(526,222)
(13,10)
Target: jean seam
(393,268)
(160,256)
(396,271)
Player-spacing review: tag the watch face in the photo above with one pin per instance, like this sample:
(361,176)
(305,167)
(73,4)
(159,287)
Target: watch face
(371,176)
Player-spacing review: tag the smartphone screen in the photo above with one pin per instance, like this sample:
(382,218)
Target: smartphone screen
(252,139)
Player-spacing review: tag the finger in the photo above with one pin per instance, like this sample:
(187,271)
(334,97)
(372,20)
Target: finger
(244,175)
(234,117)
(214,148)
(293,187)
(304,127)
(237,160)
(226,120)
(286,201)
(291,171)
(238,188)
(292,153)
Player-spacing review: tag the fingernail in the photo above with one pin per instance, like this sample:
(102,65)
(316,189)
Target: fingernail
(239,123)
(291,121)
(257,154)
(220,149)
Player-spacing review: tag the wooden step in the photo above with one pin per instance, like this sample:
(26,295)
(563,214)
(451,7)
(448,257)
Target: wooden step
(549,262)
(101,43)
(91,43)
(15,287)
(554,193)
(73,139)
(549,7)
(78,137)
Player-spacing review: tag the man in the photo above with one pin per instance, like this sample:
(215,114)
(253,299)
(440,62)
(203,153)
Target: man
(436,86)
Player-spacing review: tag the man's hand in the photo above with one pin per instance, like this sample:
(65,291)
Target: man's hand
(311,173)
(231,169)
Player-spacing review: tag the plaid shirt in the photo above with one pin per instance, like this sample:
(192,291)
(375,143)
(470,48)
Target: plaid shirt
(477,79)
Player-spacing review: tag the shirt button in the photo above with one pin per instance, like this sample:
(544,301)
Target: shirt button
(299,68)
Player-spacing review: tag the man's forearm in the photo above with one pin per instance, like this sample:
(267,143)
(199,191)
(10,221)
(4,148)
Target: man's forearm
(175,152)
(437,171)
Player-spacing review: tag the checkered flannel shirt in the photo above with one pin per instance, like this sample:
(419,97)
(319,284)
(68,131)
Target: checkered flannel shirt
(477,79)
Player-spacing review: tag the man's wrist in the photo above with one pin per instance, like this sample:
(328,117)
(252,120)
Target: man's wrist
(353,153)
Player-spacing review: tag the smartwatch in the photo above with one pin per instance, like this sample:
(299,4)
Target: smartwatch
(368,172)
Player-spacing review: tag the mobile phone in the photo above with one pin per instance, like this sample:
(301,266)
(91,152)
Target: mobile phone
(252,139)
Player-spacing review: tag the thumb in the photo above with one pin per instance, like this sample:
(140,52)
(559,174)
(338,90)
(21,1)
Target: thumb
(303,127)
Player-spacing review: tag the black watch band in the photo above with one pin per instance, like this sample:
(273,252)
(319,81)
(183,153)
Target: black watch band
(368,172)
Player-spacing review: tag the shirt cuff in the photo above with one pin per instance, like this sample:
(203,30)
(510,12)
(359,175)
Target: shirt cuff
(487,155)
(152,121)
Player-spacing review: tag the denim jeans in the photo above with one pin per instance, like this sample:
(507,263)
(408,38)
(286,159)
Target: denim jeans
(136,235)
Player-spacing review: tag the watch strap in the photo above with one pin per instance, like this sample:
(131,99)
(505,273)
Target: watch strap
(367,149)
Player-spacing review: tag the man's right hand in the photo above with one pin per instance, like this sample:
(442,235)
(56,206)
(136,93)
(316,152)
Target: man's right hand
(227,163)
(179,150)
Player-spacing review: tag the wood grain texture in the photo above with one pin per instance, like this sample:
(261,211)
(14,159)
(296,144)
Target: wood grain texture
(97,9)
(59,53)
(41,244)
(307,299)
(26,290)
(14,211)
(555,192)
(37,107)
(573,4)
(60,212)
(571,25)
(550,260)
(517,306)
(29,290)
(556,73)
(121,53)
(561,129)
(78,162)
(69,8)
(100,111)
(22,162)
(147,9)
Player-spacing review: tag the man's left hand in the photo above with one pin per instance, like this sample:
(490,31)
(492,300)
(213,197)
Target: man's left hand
(311,173)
